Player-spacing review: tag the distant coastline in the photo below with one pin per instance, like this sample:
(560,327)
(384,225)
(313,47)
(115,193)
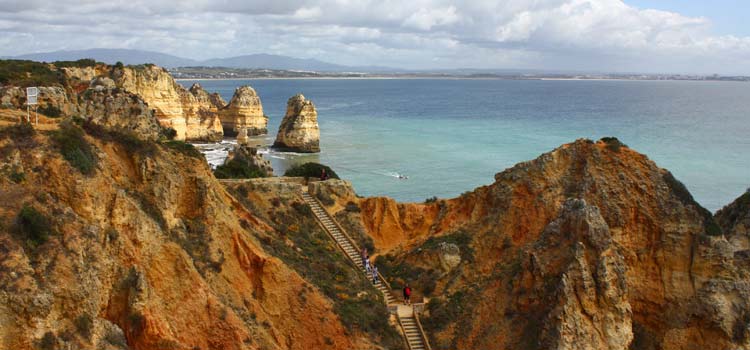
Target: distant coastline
(457,78)
(219,73)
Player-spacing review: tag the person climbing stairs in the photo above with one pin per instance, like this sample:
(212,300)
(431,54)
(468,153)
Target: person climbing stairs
(407,318)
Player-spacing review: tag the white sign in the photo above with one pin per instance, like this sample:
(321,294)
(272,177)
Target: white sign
(31,95)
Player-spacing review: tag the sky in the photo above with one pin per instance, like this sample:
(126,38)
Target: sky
(658,36)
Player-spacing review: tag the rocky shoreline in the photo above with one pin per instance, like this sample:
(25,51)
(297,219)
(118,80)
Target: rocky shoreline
(114,236)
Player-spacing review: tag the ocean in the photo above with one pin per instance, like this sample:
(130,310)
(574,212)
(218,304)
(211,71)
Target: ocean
(449,136)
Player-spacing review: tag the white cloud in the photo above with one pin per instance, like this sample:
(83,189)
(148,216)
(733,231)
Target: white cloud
(551,34)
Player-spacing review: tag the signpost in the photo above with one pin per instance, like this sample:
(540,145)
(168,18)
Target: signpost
(32,94)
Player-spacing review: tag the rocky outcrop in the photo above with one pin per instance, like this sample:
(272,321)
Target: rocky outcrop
(191,115)
(49,98)
(149,253)
(589,246)
(244,111)
(734,220)
(299,131)
(208,101)
(251,157)
(119,110)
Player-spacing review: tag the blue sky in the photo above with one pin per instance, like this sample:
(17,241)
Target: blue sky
(658,36)
(727,16)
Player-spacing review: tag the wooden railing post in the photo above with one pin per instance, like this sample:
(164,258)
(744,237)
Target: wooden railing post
(421,330)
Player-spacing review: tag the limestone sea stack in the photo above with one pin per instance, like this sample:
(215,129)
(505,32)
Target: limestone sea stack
(174,106)
(299,131)
(244,111)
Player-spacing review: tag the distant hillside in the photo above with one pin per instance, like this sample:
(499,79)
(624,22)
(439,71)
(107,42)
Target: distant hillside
(273,62)
(265,61)
(111,56)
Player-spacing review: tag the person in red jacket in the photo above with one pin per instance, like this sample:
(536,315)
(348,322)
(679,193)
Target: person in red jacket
(407,295)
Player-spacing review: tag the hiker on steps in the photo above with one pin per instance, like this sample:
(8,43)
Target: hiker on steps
(374,274)
(407,294)
(367,263)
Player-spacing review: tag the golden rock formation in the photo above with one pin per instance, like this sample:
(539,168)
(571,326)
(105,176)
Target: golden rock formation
(244,111)
(299,131)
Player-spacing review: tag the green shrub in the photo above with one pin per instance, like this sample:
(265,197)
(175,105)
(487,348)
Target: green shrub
(51,111)
(613,144)
(132,143)
(26,73)
(16,176)
(48,342)
(168,133)
(33,226)
(184,148)
(82,63)
(238,169)
(74,147)
(84,325)
(18,132)
(310,170)
(431,200)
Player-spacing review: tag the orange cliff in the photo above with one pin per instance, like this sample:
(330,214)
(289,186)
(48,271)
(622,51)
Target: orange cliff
(590,246)
(194,114)
(147,252)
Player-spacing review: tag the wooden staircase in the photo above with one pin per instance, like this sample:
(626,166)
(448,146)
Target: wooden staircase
(407,318)
(413,332)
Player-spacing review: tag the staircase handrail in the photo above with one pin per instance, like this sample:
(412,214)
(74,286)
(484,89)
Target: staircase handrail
(421,330)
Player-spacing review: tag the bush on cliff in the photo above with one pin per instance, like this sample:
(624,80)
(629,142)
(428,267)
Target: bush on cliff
(51,111)
(168,133)
(613,144)
(33,226)
(25,73)
(310,170)
(126,138)
(238,169)
(82,63)
(184,148)
(70,140)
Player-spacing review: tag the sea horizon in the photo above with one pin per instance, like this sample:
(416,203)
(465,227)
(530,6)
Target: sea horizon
(373,130)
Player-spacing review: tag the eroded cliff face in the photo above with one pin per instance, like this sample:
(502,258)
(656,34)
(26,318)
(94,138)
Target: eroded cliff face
(191,114)
(299,131)
(244,111)
(148,252)
(734,220)
(194,113)
(590,246)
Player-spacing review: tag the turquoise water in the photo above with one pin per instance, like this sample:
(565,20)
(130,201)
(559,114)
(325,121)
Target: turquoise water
(452,135)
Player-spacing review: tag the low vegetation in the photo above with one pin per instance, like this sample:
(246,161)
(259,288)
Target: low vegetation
(613,144)
(310,170)
(132,143)
(71,143)
(85,325)
(168,133)
(51,111)
(22,131)
(184,148)
(33,227)
(82,63)
(446,311)
(238,168)
(303,245)
(398,273)
(25,73)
